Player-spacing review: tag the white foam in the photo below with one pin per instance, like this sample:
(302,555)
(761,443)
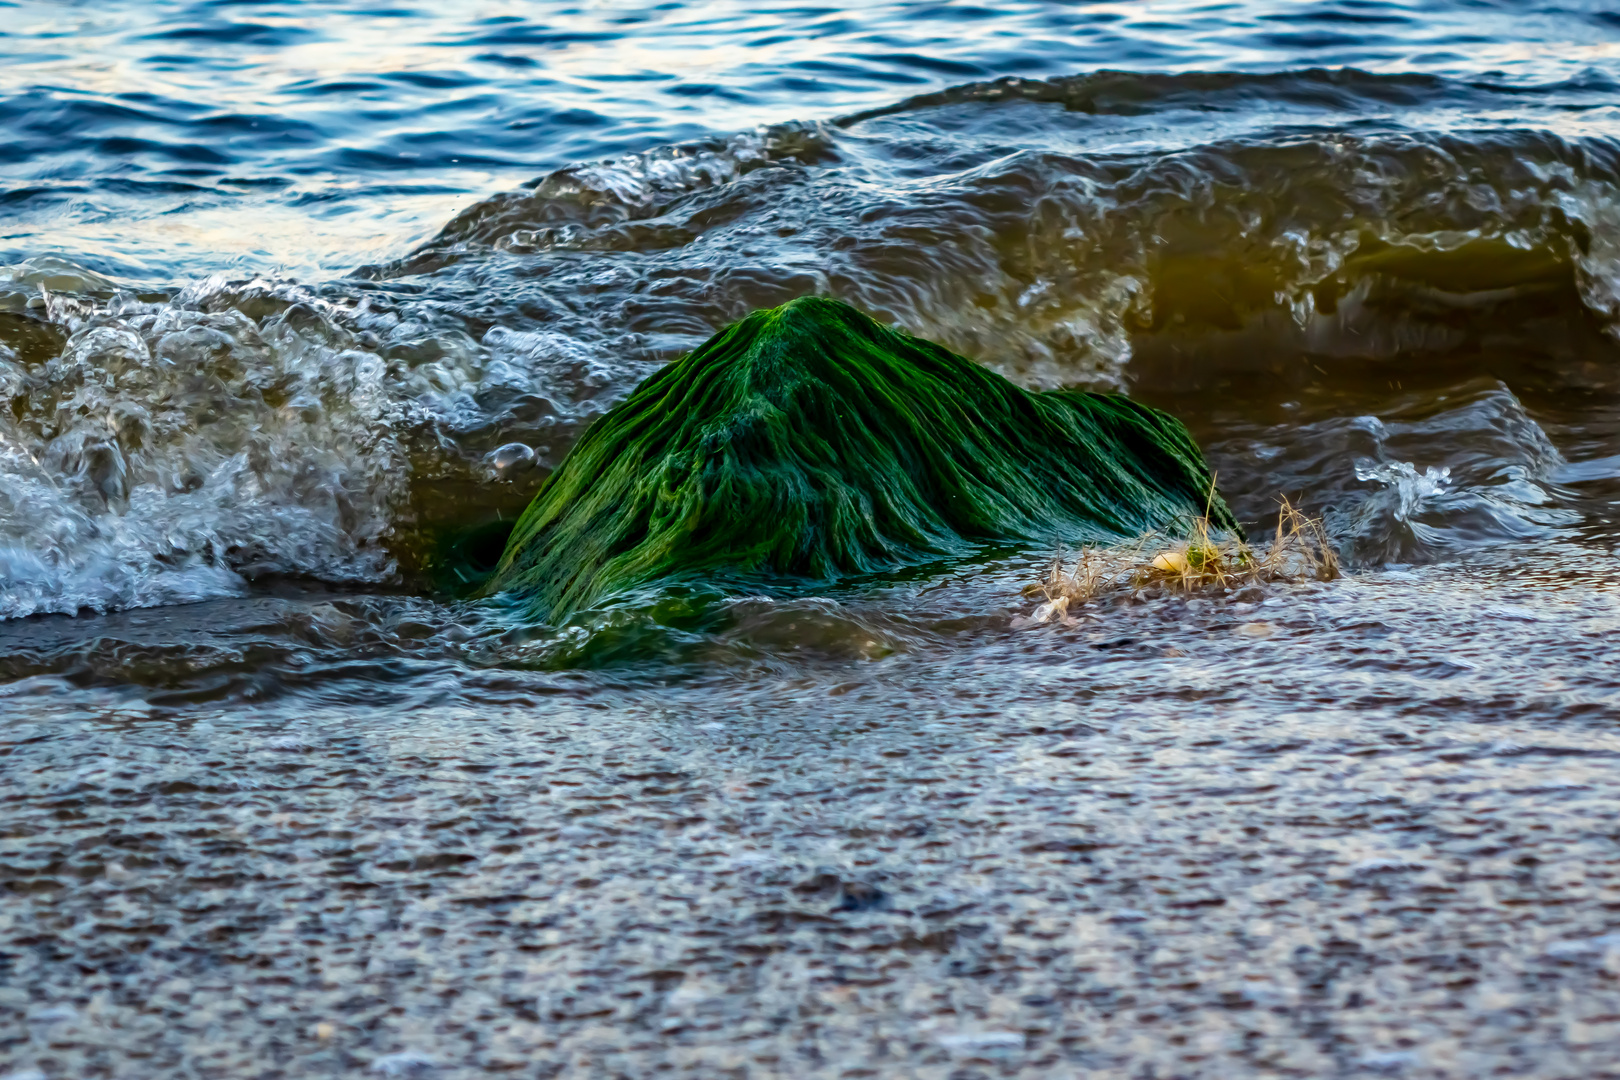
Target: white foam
(172,448)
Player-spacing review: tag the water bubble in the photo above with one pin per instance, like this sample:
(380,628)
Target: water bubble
(511,459)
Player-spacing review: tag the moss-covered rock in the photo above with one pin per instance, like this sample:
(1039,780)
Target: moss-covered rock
(810,441)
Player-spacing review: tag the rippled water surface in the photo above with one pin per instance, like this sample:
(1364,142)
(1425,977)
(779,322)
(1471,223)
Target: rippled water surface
(300,303)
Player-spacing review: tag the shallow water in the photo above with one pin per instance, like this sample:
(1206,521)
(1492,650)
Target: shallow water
(299,307)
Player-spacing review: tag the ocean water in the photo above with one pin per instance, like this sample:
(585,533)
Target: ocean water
(300,303)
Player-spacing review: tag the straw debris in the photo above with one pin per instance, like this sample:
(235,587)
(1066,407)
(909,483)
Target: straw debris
(1201,559)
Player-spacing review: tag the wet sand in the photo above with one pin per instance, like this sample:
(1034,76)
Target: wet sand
(1362,828)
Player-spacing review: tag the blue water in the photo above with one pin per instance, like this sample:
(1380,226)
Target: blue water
(163,138)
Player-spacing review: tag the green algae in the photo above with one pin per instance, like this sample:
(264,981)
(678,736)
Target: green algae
(811,442)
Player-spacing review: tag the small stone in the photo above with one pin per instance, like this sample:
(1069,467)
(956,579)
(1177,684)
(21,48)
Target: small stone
(1257,629)
(1594,948)
(983,1040)
(1172,562)
(1388,1061)
(324,1031)
(404,1063)
(55,1014)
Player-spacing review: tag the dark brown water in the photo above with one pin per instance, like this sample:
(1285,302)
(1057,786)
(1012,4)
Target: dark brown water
(298,307)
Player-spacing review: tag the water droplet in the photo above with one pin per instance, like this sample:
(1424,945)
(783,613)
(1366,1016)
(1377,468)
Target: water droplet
(511,459)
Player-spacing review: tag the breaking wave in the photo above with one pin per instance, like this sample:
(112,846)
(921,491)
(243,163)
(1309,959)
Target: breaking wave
(1212,242)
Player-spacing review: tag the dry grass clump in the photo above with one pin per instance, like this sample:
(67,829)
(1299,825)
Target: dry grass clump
(1200,561)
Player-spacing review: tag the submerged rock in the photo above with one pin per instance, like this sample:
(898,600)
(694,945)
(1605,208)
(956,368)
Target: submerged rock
(810,441)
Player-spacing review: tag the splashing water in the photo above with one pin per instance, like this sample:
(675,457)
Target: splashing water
(1408,488)
(173,448)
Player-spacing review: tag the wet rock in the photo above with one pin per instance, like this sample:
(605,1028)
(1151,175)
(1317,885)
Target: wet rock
(813,442)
